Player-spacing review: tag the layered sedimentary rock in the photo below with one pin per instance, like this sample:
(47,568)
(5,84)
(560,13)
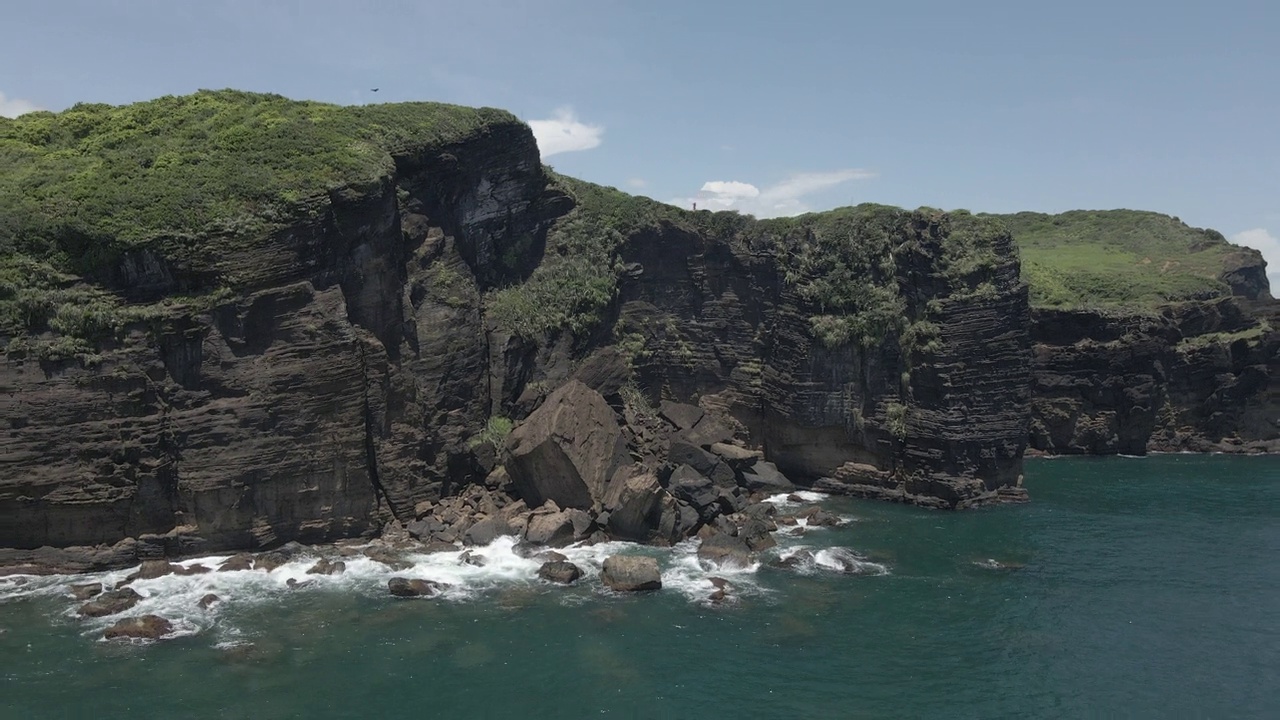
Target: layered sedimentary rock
(663,370)
(333,389)
(941,422)
(1195,376)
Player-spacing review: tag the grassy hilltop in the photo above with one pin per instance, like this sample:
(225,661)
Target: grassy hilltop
(187,176)
(1123,258)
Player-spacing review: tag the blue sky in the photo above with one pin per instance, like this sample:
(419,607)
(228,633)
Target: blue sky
(766,107)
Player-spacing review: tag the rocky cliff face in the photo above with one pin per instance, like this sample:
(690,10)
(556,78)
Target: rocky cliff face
(331,392)
(1193,377)
(343,375)
(939,423)
(362,361)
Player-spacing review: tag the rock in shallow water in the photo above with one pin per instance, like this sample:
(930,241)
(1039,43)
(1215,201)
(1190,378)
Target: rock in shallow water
(560,571)
(325,566)
(631,573)
(388,558)
(208,600)
(110,603)
(724,550)
(486,531)
(152,569)
(405,587)
(86,591)
(240,561)
(146,627)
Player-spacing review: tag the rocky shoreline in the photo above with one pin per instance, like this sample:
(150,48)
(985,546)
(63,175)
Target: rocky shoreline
(712,490)
(736,545)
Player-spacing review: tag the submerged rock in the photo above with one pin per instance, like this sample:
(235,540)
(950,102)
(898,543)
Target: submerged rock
(325,566)
(848,562)
(86,591)
(794,561)
(817,517)
(152,569)
(405,587)
(560,571)
(270,561)
(208,600)
(724,550)
(721,591)
(388,558)
(239,561)
(110,603)
(146,627)
(631,573)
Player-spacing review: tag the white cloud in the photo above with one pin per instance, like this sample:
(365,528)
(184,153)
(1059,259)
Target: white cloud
(563,133)
(637,183)
(1269,245)
(13,107)
(781,199)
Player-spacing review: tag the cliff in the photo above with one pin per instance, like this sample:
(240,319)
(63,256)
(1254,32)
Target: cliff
(233,321)
(1148,336)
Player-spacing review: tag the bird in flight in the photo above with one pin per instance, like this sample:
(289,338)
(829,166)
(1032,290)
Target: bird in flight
(374,90)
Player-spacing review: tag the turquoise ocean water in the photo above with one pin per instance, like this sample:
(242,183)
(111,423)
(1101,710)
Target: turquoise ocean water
(1126,588)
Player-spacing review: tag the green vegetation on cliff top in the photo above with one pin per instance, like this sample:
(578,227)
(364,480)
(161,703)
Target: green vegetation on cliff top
(94,178)
(841,261)
(193,175)
(1124,258)
(189,176)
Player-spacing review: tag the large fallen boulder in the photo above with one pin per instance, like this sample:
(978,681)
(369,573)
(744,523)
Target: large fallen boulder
(683,452)
(765,477)
(631,573)
(486,531)
(693,487)
(682,415)
(567,449)
(557,527)
(633,504)
(737,457)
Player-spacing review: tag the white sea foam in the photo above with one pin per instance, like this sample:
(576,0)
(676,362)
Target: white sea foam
(177,597)
(804,497)
(832,559)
